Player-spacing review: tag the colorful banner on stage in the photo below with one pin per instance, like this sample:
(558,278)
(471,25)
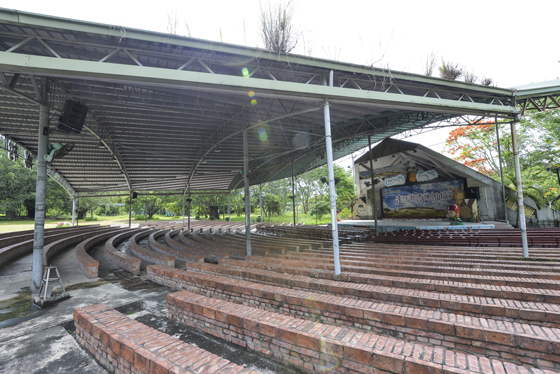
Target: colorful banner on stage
(428,200)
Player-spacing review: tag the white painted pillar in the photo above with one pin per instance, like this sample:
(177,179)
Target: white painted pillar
(247,194)
(330,168)
(41,187)
(73,210)
(520,204)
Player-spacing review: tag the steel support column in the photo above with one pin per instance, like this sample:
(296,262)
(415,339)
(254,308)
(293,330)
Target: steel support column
(183,211)
(373,203)
(189,208)
(146,212)
(260,200)
(41,187)
(520,204)
(246,192)
(501,170)
(130,211)
(330,168)
(229,206)
(293,194)
(73,210)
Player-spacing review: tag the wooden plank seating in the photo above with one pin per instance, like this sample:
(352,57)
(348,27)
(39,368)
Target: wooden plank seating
(317,347)
(496,338)
(121,259)
(123,345)
(146,253)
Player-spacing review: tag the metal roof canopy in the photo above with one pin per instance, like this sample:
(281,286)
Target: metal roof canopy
(168,110)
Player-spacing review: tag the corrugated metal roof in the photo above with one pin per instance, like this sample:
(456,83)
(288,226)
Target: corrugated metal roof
(171,110)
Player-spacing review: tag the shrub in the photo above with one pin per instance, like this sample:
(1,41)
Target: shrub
(91,218)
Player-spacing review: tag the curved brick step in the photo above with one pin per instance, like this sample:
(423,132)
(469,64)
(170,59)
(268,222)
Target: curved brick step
(121,259)
(124,345)
(167,250)
(387,275)
(470,334)
(147,254)
(547,266)
(470,305)
(228,240)
(232,246)
(193,248)
(269,332)
(87,264)
(301,243)
(437,269)
(54,248)
(473,289)
(19,247)
(216,248)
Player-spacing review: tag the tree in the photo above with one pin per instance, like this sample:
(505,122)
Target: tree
(276,29)
(17,185)
(538,139)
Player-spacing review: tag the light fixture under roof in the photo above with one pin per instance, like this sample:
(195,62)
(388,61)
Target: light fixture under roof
(100,145)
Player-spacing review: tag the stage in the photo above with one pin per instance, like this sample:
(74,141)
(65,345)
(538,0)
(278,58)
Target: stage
(386,225)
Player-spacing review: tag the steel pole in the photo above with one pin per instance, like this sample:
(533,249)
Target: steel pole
(183,210)
(293,195)
(73,211)
(189,209)
(260,200)
(229,206)
(41,187)
(78,211)
(246,192)
(297,202)
(501,170)
(146,212)
(520,204)
(330,168)
(373,203)
(130,211)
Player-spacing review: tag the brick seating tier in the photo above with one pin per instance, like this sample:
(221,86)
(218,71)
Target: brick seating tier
(317,347)
(123,345)
(521,343)
(500,308)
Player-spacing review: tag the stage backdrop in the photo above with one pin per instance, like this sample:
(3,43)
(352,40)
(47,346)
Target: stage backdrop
(428,200)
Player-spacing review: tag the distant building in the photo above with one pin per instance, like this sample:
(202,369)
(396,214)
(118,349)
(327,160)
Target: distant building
(414,182)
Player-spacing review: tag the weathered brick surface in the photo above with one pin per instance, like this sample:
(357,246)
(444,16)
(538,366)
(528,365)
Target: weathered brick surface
(464,304)
(121,259)
(314,346)
(167,250)
(87,264)
(123,345)
(496,338)
(147,254)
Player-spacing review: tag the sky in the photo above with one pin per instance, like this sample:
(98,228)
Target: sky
(511,43)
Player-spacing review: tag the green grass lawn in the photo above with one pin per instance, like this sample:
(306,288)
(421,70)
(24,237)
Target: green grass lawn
(28,224)
(287,218)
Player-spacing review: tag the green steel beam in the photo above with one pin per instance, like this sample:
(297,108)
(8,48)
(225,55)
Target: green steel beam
(120,32)
(57,67)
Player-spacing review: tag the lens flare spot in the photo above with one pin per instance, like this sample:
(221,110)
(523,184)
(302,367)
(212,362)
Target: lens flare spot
(254,102)
(300,140)
(245,72)
(251,93)
(263,135)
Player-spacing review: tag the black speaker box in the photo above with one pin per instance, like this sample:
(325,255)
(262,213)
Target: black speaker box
(472,193)
(72,118)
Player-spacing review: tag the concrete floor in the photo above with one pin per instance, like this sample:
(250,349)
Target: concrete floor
(40,341)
